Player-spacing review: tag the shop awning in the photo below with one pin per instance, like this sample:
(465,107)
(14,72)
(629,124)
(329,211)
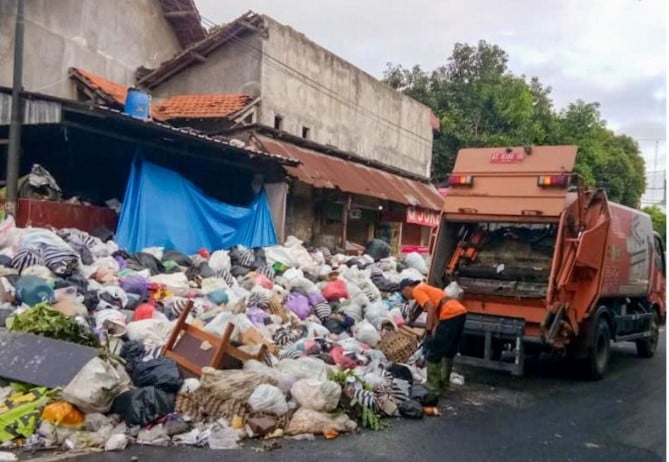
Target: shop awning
(324,171)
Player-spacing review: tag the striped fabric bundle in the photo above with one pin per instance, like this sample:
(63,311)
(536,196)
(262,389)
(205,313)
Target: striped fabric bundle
(284,337)
(268,272)
(366,399)
(259,297)
(26,258)
(60,261)
(322,310)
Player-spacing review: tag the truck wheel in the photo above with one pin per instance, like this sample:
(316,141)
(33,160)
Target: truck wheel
(645,348)
(600,351)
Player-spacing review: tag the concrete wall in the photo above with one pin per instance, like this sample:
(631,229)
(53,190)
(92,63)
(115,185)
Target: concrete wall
(342,105)
(110,38)
(232,68)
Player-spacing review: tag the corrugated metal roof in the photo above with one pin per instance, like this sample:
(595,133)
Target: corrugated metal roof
(323,171)
(34,112)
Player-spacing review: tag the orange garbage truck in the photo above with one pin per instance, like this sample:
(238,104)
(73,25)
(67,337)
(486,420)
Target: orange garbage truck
(546,265)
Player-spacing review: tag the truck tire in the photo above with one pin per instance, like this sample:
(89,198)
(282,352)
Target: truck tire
(599,351)
(645,348)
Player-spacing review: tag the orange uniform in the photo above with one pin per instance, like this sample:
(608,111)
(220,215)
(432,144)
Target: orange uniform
(424,293)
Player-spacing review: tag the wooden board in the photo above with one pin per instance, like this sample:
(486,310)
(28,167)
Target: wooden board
(39,360)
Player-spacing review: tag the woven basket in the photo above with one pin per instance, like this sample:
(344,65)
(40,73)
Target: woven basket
(398,346)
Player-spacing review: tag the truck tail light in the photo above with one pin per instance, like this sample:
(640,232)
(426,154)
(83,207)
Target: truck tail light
(460,180)
(553,181)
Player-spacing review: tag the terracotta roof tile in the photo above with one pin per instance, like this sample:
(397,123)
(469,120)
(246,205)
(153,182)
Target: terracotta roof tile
(201,106)
(110,90)
(174,107)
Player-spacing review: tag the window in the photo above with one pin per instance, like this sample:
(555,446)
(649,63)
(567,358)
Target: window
(305,132)
(278,122)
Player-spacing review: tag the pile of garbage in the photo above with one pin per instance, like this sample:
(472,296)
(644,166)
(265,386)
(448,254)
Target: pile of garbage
(327,333)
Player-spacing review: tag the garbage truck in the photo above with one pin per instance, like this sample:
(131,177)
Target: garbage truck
(547,265)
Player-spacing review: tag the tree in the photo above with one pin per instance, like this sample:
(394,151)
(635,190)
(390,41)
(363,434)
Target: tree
(659,219)
(481,103)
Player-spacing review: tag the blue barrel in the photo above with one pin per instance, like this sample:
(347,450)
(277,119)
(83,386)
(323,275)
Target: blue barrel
(137,104)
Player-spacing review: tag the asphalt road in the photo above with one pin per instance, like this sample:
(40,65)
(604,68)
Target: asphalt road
(548,415)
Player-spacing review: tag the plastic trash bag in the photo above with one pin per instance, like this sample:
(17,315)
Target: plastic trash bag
(154,436)
(220,261)
(377,249)
(161,373)
(96,386)
(424,396)
(63,414)
(411,409)
(177,283)
(222,437)
(268,399)
(316,395)
(365,332)
(298,304)
(117,442)
(142,406)
(453,290)
(309,421)
(311,368)
(416,261)
(376,311)
(335,290)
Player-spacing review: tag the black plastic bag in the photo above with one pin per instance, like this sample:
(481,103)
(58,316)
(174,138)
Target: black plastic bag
(132,352)
(141,261)
(142,406)
(424,396)
(161,373)
(377,249)
(411,409)
(401,372)
(181,259)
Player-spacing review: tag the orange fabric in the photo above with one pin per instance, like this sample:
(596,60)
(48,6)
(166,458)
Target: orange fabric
(424,293)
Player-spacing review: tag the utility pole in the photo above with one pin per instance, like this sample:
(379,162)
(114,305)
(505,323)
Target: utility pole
(14,151)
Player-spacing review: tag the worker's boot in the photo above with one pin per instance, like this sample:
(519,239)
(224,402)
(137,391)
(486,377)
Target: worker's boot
(434,377)
(445,375)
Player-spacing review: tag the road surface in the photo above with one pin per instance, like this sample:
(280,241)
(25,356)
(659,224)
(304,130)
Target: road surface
(548,415)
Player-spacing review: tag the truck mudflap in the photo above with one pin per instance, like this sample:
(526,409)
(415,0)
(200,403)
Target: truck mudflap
(485,329)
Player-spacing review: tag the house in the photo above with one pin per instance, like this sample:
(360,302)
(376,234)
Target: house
(364,149)
(110,38)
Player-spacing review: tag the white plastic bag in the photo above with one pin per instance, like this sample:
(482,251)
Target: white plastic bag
(416,261)
(280,254)
(309,421)
(376,311)
(177,283)
(151,332)
(454,290)
(411,273)
(220,261)
(96,385)
(269,399)
(317,395)
(302,368)
(365,332)
(223,438)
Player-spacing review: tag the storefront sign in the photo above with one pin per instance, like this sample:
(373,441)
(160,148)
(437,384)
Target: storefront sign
(507,157)
(422,217)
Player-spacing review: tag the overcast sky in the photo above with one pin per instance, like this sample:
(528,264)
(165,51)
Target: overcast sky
(610,51)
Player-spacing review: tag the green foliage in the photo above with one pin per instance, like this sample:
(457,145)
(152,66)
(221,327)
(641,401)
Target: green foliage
(659,219)
(481,103)
(47,322)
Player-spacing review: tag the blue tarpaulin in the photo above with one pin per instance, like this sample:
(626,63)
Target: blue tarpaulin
(163,209)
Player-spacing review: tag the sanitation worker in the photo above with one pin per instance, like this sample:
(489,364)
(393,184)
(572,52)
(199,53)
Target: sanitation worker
(443,330)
